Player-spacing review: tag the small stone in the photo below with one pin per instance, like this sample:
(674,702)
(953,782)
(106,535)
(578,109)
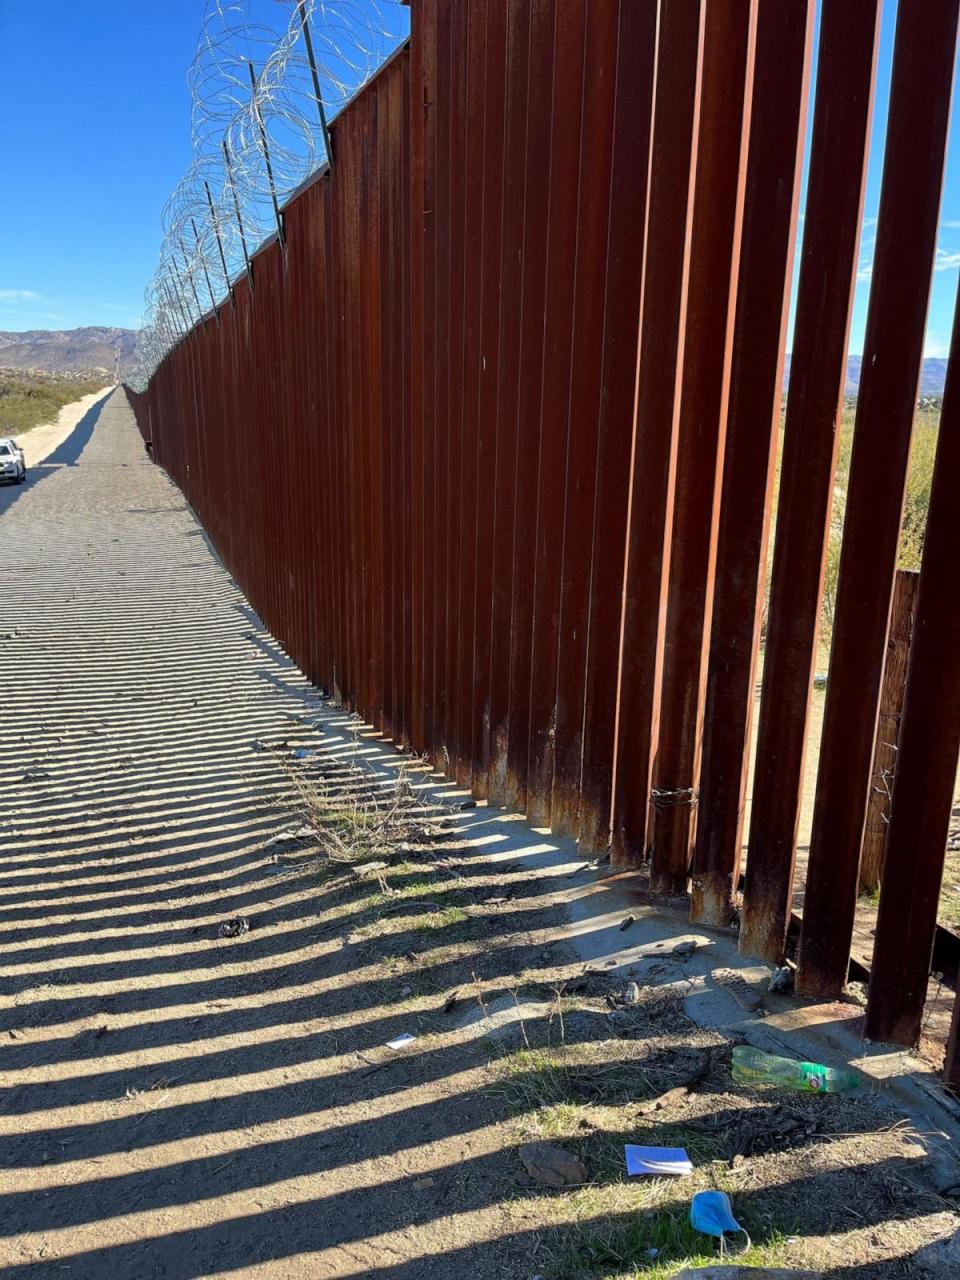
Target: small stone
(423,1184)
(685,948)
(552,1166)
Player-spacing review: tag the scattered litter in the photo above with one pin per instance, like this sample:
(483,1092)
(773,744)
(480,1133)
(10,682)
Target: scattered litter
(451,1001)
(627,922)
(405,991)
(8,635)
(401,1041)
(494,902)
(751,1066)
(782,979)
(469,804)
(422,1184)
(820,680)
(304,753)
(234,928)
(653,1253)
(712,1213)
(36,775)
(292,836)
(552,1166)
(657,1161)
(631,993)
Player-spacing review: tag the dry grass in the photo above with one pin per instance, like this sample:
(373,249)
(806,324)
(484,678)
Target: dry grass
(28,399)
(347,815)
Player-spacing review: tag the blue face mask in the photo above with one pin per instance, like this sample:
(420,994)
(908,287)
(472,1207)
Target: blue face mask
(711,1213)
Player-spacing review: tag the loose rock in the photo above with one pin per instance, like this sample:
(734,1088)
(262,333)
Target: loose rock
(551,1166)
(234,928)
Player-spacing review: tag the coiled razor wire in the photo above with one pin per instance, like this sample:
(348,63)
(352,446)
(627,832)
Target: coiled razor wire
(262,96)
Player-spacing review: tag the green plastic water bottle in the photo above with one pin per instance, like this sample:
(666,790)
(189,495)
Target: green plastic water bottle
(751,1066)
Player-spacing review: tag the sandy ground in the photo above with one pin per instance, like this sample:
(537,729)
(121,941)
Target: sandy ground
(195,1006)
(40,441)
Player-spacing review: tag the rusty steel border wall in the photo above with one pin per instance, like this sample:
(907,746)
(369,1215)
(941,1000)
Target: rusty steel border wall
(490,442)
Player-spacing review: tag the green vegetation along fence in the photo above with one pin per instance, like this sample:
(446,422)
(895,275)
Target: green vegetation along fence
(489,440)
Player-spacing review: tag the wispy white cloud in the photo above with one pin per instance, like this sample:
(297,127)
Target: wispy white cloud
(946,260)
(20,295)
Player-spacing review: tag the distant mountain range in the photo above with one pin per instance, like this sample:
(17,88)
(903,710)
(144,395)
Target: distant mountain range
(932,375)
(67,350)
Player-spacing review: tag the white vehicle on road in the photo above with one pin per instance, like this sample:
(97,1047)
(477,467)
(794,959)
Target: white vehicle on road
(13,465)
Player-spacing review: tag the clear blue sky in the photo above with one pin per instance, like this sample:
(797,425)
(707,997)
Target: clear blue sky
(95,133)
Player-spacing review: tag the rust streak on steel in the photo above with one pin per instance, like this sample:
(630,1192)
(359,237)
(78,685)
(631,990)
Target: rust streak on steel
(562,241)
(459,164)
(540,162)
(413,201)
(441,539)
(411,575)
(652,466)
(375,391)
(479,118)
(728,64)
(424,227)
(903,261)
(778,118)
(496,110)
(397,302)
(895,663)
(926,752)
(495,710)
(579,492)
(636,61)
(849,38)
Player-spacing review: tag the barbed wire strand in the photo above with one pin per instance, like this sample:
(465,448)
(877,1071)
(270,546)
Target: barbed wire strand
(261,99)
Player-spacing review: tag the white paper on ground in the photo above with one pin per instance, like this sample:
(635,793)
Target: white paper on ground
(657,1161)
(401,1041)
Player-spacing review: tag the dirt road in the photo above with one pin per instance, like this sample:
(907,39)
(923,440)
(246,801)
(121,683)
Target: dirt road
(41,441)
